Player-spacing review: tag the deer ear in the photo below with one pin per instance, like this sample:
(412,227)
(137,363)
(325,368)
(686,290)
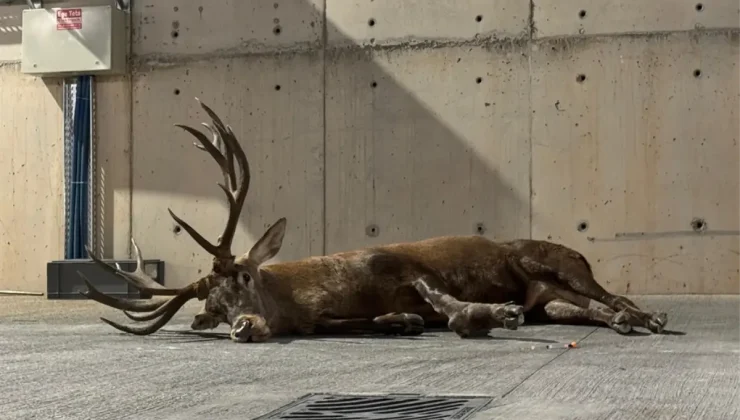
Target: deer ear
(269,244)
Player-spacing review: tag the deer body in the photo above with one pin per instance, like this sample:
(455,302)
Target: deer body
(478,282)
(376,281)
(468,282)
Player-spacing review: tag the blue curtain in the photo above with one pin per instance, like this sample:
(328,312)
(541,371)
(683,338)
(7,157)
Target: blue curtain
(80,168)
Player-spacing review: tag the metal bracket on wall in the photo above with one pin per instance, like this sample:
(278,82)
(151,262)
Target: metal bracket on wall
(35,4)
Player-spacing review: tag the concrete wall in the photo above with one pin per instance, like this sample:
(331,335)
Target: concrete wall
(497,117)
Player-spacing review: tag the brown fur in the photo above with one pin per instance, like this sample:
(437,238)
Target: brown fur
(471,283)
(476,276)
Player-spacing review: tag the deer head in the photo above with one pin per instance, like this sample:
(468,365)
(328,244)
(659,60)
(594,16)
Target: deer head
(226,266)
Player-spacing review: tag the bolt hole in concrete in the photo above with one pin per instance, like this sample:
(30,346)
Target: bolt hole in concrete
(699,7)
(582,14)
(175,34)
(480,228)
(581,78)
(698,224)
(277,87)
(479,18)
(479,80)
(177,91)
(277,30)
(177,229)
(371,22)
(372,230)
(697,73)
(374,84)
(582,226)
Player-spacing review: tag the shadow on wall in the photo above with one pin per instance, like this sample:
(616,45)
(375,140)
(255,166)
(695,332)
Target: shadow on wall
(354,144)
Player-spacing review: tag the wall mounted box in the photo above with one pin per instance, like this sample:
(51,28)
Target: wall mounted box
(70,41)
(63,281)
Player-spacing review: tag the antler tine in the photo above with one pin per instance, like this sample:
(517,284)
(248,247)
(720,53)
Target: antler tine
(198,289)
(235,194)
(212,147)
(138,278)
(170,308)
(160,308)
(203,242)
(139,274)
(126,305)
(229,173)
(147,317)
(215,139)
(233,149)
(163,310)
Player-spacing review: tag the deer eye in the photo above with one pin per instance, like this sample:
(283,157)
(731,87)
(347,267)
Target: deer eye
(243,279)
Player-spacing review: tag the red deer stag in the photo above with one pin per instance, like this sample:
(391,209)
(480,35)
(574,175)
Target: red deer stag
(468,282)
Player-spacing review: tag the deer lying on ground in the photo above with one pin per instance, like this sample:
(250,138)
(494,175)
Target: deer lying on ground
(468,282)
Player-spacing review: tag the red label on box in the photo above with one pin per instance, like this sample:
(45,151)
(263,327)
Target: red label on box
(69,19)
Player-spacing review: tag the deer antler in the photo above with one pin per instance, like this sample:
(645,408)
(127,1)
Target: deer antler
(234,194)
(223,261)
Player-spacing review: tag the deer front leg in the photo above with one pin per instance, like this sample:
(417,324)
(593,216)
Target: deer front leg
(392,324)
(205,320)
(468,318)
(250,328)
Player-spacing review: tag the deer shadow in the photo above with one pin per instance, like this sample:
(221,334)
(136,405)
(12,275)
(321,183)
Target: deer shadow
(179,336)
(170,335)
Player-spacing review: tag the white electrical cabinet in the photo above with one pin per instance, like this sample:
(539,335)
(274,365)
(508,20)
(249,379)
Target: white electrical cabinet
(75,40)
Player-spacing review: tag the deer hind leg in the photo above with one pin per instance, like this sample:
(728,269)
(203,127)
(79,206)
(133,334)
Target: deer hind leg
(578,276)
(564,312)
(392,324)
(654,321)
(564,306)
(468,318)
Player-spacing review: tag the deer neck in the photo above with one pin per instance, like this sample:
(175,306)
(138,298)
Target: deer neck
(264,303)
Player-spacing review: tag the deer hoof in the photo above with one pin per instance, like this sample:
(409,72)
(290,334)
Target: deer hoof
(241,331)
(250,328)
(514,317)
(204,322)
(620,323)
(413,324)
(657,322)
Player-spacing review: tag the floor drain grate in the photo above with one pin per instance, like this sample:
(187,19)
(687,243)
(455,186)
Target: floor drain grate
(378,407)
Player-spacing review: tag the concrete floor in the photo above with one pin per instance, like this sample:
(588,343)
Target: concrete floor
(58,361)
